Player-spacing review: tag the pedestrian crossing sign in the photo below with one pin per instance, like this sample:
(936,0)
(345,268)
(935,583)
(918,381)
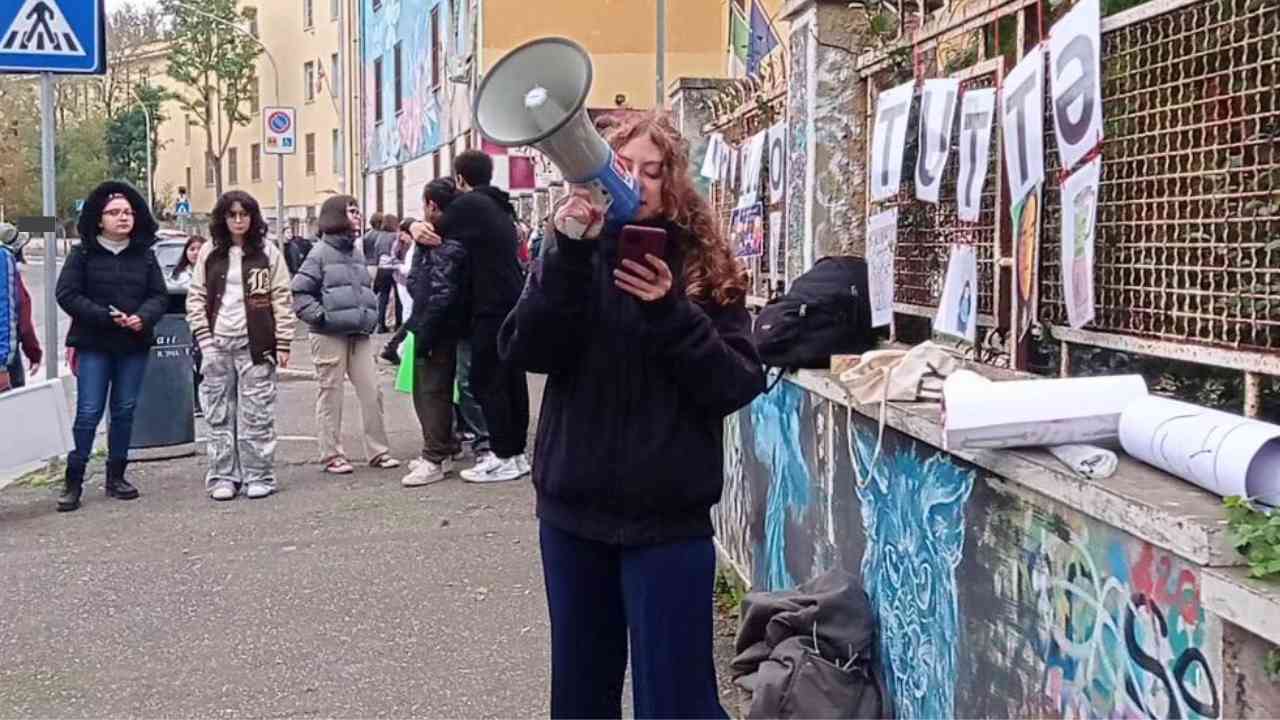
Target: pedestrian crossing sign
(56,36)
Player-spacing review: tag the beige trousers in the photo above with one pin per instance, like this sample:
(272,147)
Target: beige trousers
(349,357)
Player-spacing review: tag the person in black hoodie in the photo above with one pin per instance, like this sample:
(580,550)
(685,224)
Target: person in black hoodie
(643,362)
(482,219)
(114,291)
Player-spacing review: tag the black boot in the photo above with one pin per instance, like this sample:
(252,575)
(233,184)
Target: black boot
(117,486)
(73,483)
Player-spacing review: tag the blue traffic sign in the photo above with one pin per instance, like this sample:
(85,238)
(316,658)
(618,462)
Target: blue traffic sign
(55,36)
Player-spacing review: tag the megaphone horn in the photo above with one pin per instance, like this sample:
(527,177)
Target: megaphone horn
(536,96)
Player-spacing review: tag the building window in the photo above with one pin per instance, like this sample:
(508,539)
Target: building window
(333,9)
(311,153)
(309,78)
(251,14)
(400,190)
(188,176)
(433,36)
(208,170)
(435,164)
(255,95)
(187,128)
(397,78)
(308,14)
(233,166)
(255,162)
(377,5)
(337,154)
(335,82)
(377,192)
(377,90)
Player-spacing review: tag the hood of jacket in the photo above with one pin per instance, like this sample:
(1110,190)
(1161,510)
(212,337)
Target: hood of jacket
(144,224)
(500,196)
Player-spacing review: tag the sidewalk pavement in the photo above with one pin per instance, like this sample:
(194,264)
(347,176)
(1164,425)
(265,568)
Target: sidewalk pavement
(337,597)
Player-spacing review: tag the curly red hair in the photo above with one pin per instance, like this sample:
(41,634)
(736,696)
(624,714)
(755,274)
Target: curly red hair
(711,273)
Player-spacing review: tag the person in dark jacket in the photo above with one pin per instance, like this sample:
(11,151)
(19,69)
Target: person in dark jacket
(384,284)
(644,363)
(295,251)
(114,290)
(333,295)
(369,244)
(19,329)
(438,322)
(483,221)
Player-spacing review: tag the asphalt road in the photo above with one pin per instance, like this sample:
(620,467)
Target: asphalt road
(337,597)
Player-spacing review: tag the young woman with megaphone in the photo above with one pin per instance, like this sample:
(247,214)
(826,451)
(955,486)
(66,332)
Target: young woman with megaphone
(644,361)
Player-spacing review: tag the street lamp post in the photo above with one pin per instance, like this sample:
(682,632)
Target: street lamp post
(146,117)
(275,69)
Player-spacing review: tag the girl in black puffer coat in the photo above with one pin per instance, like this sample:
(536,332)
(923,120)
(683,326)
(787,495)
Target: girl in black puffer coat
(114,291)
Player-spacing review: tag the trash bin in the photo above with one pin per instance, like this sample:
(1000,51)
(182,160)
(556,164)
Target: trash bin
(164,423)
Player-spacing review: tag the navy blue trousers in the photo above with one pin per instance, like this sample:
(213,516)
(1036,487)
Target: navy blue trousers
(660,596)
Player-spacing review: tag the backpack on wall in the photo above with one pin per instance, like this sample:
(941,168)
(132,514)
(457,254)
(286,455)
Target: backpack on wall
(826,312)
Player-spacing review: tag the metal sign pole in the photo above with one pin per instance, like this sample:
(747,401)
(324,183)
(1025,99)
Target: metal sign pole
(49,188)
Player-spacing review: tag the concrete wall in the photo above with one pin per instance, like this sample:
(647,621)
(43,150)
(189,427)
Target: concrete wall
(993,600)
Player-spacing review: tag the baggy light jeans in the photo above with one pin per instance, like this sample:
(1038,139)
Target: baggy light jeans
(239,401)
(347,356)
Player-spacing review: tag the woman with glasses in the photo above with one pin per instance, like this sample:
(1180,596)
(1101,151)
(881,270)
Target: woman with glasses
(114,291)
(239,310)
(333,295)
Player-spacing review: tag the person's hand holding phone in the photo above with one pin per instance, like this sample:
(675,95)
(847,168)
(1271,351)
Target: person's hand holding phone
(579,216)
(649,282)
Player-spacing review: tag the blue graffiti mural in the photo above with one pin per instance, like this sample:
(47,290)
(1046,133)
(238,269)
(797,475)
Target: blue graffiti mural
(776,418)
(913,513)
(393,137)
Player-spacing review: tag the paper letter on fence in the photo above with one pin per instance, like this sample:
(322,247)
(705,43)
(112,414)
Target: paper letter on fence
(976,118)
(889,143)
(1075,67)
(753,158)
(937,116)
(882,240)
(711,160)
(1079,215)
(958,309)
(1022,110)
(1223,453)
(777,151)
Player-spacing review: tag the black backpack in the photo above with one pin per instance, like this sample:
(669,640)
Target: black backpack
(826,312)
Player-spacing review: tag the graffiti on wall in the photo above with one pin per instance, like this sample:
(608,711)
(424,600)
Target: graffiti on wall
(991,601)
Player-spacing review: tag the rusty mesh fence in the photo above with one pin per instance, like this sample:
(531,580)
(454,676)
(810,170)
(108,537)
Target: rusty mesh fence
(1188,231)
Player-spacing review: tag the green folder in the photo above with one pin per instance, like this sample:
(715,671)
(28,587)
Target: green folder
(404,378)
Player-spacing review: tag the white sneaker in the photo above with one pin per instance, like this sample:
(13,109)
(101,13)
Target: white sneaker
(484,461)
(525,467)
(223,490)
(502,471)
(258,490)
(424,472)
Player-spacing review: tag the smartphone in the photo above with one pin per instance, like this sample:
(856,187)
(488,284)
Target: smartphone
(114,310)
(636,241)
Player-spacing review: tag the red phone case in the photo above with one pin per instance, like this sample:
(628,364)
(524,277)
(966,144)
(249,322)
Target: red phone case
(635,241)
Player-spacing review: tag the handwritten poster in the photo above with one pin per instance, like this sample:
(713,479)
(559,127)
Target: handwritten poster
(746,226)
(937,117)
(882,241)
(1021,103)
(1026,251)
(977,115)
(889,144)
(958,310)
(752,166)
(1075,67)
(777,155)
(1223,453)
(1079,216)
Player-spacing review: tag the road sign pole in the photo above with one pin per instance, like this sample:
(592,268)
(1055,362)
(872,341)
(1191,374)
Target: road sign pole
(49,188)
(280,200)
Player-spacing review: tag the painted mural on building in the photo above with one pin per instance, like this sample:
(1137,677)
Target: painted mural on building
(798,129)
(424,120)
(992,601)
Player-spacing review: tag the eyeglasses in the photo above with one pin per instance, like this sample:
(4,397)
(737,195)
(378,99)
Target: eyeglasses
(353,211)
(118,212)
(238,215)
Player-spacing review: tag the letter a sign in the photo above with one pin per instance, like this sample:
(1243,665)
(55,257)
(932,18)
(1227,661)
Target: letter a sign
(54,36)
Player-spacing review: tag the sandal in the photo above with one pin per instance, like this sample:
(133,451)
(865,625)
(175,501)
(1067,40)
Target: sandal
(384,462)
(339,466)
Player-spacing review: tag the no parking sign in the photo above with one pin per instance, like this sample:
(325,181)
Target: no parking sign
(279,131)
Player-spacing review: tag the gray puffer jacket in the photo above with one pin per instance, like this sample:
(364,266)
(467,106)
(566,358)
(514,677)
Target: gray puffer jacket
(332,293)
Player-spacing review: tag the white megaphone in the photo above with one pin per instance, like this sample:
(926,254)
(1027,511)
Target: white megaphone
(536,95)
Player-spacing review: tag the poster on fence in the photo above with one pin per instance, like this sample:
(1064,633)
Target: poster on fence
(882,241)
(1026,247)
(1079,223)
(1022,114)
(752,165)
(746,226)
(977,115)
(958,308)
(711,160)
(775,249)
(777,152)
(1075,72)
(937,117)
(889,142)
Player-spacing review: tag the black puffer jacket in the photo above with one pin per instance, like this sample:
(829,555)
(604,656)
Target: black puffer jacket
(484,222)
(441,301)
(94,278)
